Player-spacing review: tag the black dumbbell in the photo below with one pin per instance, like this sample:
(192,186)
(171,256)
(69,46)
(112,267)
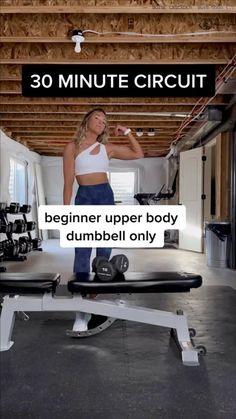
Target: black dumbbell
(120,263)
(12,249)
(11,227)
(107,270)
(30,225)
(25,209)
(103,268)
(22,247)
(14,208)
(5,228)
(25,244)
(3,206)
(5,244)
(36,243)
(21,226)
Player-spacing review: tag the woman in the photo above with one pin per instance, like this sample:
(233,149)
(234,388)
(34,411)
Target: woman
(87,159)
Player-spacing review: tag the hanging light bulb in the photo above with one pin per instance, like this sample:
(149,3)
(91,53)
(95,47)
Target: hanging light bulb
(77,37)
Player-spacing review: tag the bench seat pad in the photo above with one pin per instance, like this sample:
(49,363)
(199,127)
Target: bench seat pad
(135,282)
(28,283)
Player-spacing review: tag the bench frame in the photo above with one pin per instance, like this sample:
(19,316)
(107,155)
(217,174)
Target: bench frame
(114,309)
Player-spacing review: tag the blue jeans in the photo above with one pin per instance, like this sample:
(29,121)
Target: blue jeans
(100,194)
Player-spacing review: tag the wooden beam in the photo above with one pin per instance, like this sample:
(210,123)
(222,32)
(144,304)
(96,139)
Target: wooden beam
(195,60)
(145,141)
(63,131)
(33,118)
(131,39)
(5,72)
(35,125)
(116,10)
(65,137)
(76,109)
(127,101)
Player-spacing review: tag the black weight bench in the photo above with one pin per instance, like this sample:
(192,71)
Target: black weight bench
(135,282)
(28,283)
(36,292)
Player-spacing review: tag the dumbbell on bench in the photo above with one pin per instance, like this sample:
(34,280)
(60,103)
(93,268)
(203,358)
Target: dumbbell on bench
(107,270)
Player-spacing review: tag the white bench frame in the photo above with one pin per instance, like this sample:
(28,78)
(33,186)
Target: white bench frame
(115,309)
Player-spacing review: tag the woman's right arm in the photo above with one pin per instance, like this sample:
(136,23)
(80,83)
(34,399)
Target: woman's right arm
(69,172)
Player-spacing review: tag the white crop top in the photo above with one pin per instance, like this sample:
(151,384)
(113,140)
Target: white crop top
(86,162)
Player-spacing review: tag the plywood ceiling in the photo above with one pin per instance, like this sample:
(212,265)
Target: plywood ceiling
(38,31)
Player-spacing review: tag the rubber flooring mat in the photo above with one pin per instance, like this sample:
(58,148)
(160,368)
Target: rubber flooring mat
(130,370)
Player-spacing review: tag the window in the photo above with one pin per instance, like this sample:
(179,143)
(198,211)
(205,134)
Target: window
(124,185)
(18,181)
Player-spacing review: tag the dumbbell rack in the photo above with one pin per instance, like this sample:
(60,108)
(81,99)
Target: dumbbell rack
(15,250)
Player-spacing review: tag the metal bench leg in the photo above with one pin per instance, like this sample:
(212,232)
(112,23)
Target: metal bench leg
(182,337)
(7,321)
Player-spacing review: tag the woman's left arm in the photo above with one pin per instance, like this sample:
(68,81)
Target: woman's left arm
(129,152)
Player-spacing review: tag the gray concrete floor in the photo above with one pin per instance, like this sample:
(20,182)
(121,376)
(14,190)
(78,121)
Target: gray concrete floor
(57,259)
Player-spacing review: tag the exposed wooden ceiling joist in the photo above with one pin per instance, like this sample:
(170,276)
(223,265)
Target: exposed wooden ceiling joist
(53,118)
(76,109)
(127,102)
(115,10)
(187,33)
(124,61)
(171,39)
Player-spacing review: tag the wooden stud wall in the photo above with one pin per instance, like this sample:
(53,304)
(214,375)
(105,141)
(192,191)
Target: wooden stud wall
(222,168)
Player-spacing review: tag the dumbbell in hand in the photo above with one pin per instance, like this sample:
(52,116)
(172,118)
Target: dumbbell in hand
(107,270)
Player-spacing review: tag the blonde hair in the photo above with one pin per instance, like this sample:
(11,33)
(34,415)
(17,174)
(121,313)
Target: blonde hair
(82,128)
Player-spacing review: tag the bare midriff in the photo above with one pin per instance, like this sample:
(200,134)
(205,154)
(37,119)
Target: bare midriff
(92,179)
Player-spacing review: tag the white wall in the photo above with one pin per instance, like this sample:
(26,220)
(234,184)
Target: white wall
(152,175)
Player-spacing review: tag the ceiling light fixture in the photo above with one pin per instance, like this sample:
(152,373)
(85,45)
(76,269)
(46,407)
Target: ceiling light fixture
(139,132)
(78,38)
(151,132)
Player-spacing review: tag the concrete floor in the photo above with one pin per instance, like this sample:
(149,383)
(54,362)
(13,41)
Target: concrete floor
(57,259)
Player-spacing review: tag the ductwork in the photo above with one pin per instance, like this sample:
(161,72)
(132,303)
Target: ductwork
(210,119)
(228,125)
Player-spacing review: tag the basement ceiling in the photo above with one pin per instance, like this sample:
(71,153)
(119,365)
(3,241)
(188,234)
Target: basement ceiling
(186,32)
